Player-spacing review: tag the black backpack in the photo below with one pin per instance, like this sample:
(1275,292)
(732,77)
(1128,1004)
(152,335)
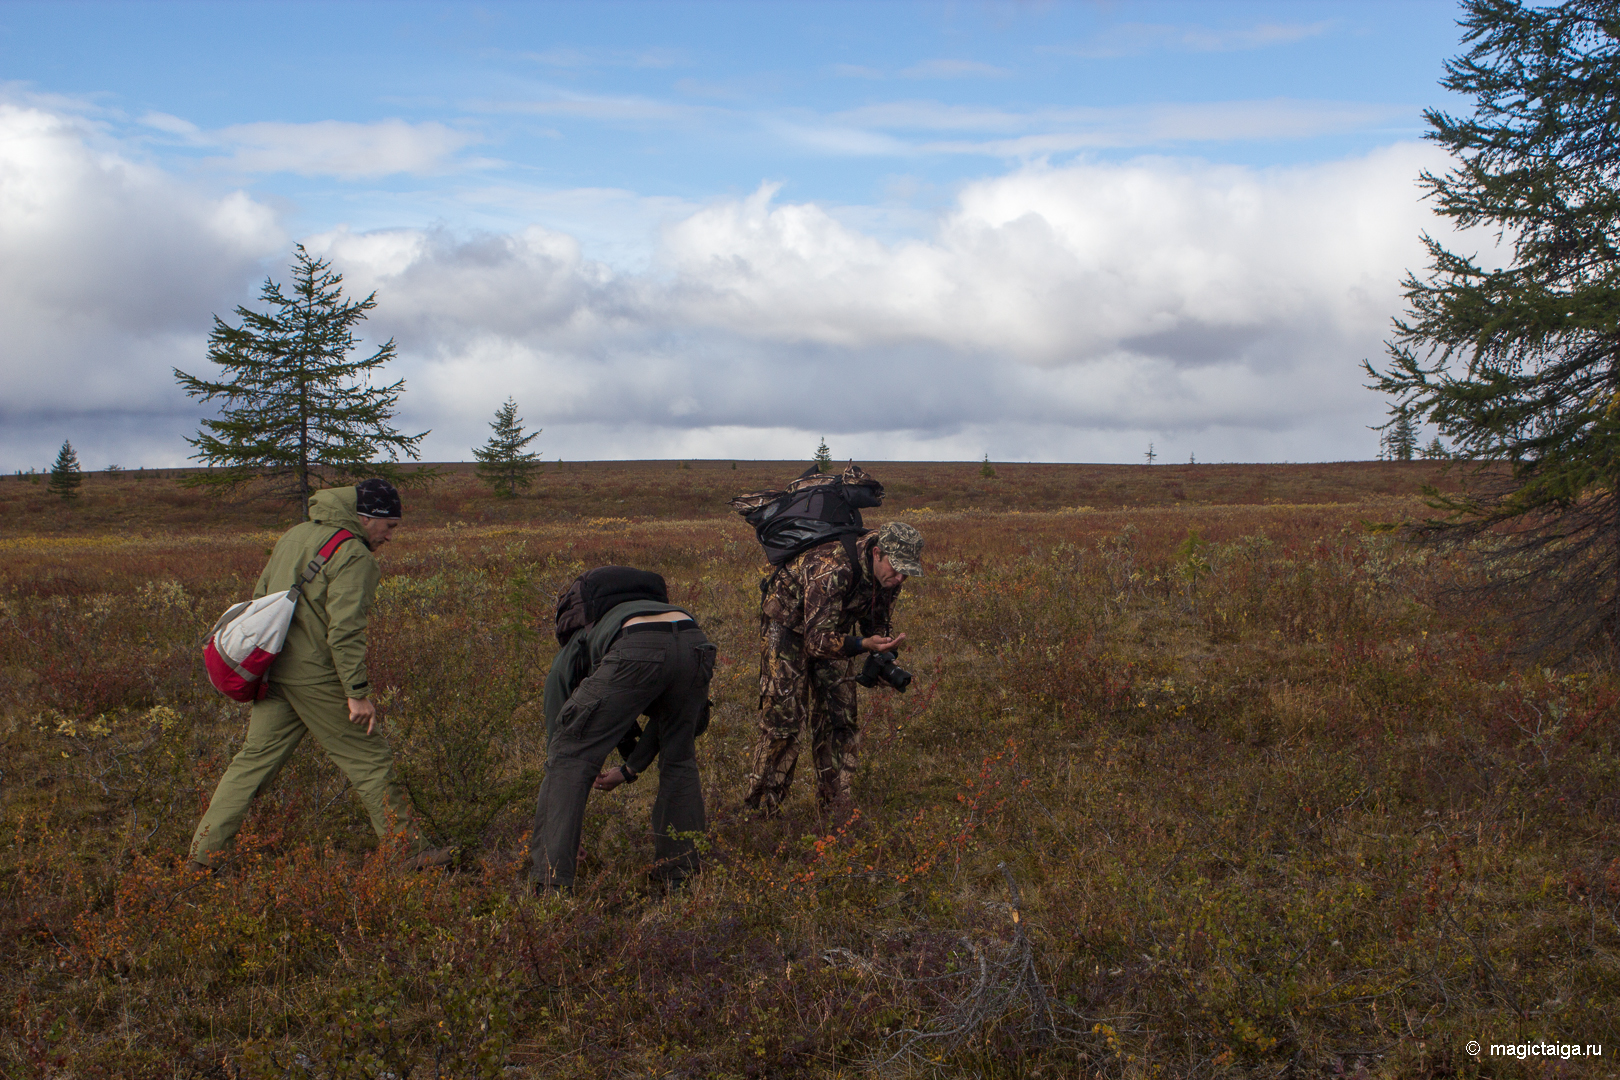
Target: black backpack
(596,592)
(815,508)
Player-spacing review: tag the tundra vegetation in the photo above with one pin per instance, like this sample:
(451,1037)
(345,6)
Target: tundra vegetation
(1205,772)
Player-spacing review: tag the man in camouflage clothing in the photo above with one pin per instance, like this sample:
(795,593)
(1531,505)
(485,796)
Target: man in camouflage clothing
(821,611)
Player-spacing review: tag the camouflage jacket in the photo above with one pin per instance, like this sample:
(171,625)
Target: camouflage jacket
(818,596)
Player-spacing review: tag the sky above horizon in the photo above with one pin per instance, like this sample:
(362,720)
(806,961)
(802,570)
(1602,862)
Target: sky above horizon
(1037,231)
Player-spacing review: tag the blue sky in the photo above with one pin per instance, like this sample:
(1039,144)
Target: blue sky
(1066,229)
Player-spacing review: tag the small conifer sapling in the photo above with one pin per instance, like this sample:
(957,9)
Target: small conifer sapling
(65,474)
(1400,436)
(503,462)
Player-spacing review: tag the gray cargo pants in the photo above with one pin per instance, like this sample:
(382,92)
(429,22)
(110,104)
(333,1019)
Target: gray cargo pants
(651,669)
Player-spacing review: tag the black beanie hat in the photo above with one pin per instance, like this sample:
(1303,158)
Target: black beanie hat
(377,498)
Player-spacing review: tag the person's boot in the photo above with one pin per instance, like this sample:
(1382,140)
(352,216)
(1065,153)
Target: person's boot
(430,859)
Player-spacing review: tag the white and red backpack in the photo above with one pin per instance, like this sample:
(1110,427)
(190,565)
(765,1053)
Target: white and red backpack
(249,636)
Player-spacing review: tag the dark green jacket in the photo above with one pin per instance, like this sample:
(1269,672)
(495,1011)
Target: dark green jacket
(327,640)
(581,656)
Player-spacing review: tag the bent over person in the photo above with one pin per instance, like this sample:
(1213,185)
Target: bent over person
(821,610)
(319,685)
(626,652)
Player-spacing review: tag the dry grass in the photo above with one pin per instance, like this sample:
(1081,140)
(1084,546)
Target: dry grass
(1272,807)
(570,492)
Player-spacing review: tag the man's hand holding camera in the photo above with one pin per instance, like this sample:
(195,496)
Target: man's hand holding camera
(883,652)
(881,667)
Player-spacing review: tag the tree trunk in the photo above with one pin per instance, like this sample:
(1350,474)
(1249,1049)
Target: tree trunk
(303,440)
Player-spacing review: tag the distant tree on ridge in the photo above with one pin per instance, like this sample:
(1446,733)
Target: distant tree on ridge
(503,463)
(1400,436)
(65,474)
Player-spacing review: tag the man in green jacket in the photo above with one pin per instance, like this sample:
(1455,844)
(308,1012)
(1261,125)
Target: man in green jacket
(641,656)
(319,684)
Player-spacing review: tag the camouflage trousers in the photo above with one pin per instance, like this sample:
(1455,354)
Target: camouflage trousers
(796,692)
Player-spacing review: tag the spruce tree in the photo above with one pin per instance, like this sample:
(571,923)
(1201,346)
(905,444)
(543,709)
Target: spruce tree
(823,456)
(1520,366)
(65,474)
(295,407)
(503,463)
(1400,436)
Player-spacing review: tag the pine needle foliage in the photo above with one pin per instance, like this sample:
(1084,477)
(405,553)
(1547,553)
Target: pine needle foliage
(1520,366)
(1400,437)
(65,473)
(296,408)
(823,457)
(503,463)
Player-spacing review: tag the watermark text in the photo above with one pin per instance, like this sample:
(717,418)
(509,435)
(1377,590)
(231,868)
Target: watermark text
(1523,1051)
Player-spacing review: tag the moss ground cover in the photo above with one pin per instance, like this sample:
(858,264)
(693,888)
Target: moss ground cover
(1200,786)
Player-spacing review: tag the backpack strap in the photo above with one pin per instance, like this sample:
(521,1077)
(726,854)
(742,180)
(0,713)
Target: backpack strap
(322,557)
(854,562)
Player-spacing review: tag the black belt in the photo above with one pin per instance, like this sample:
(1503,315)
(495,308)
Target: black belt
(674,626)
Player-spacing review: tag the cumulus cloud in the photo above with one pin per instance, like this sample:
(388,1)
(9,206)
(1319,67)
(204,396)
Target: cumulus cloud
(108,270)
(1053,313)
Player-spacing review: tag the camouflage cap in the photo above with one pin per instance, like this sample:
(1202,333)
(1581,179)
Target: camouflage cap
(903,545)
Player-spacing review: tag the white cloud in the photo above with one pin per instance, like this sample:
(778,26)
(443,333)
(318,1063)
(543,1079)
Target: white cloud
(840,140)
(569,57)
(933,116)
(1051,131)
(1050,313)
(108,272)
(1133,39)
(342,149)
(953,69)
(1053,311)
(596,107)
(172,125)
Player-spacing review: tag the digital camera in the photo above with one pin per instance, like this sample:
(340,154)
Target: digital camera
(881,665)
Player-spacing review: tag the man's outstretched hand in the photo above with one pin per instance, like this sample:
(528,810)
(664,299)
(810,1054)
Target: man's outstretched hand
(875,643)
